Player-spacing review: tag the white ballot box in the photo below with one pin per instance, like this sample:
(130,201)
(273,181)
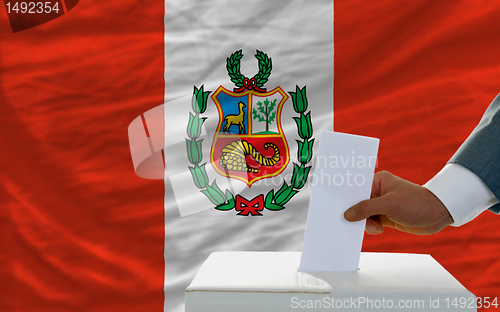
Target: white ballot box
(270,281)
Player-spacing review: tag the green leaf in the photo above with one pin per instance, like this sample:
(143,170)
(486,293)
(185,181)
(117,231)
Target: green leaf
(199,100)
(194,100)
(304,97)
(194,151)
(199,175)
(190,125)
(271,118)
(304,129)
(273,104)
(268,202)
(299,125)
(229,195)
(299,99)
(282,189)
(257,116)
(230,202)
(269,198)
(215,194)
(261,108)
(274,207)
(294,99)
(194,126)
(218,190)
(294,174)
(305,151)
(265,66)
(210,197)
(304,126)
(205,98)
(228,206)
(287,199)
(282,198)
(308,124)
(300,174)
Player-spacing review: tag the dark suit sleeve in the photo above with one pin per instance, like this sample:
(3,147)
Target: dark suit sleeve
(480,153)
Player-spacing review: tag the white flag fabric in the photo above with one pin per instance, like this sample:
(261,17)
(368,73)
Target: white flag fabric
(248,87)
(275,58)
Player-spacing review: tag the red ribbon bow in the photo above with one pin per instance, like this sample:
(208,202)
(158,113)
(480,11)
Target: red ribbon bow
(249,84)
(252,207)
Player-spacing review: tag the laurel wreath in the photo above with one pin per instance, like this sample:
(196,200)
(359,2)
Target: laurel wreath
(233,68)
(226,200)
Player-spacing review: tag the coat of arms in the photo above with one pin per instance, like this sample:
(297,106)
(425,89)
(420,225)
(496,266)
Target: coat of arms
(249,143)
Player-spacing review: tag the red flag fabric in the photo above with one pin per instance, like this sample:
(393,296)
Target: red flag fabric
(419,75)
(80,231)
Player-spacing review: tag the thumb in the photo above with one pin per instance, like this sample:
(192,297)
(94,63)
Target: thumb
(366,209)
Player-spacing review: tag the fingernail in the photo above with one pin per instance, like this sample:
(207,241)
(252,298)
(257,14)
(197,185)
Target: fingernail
(373,228)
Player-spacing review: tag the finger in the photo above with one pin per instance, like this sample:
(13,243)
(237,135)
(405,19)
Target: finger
(367,208)
(376,185)
(382,180)
(373,226)
(384,221)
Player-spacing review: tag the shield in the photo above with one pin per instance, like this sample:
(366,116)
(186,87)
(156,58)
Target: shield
(249,143)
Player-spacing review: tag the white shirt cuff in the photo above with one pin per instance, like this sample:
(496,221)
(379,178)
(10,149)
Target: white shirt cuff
(462,192)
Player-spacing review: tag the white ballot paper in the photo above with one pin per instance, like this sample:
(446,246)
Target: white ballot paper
(343,176)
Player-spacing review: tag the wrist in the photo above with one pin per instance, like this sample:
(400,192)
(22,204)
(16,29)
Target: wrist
(442,217)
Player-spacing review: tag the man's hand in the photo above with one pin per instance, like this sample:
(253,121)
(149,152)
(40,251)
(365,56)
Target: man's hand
(402,205)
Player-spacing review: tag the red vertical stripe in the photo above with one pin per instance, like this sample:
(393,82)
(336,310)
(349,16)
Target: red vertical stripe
(419,75)
(80,230)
